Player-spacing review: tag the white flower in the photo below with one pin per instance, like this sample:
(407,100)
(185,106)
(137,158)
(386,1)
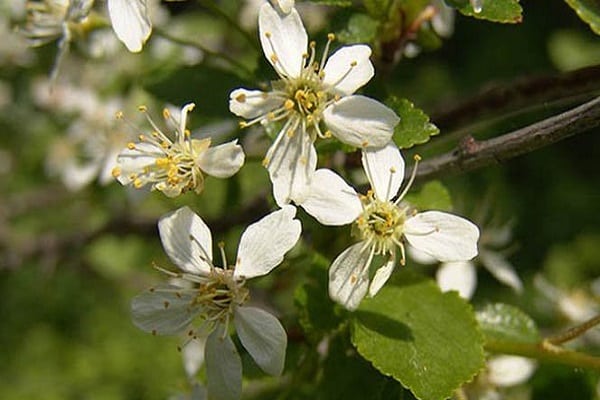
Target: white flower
(505,370)
(307,94)
(130,22)
(175,166)
(218,295)
(382,225)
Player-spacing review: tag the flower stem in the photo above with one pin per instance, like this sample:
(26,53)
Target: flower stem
(575,331)
(211,53)
(545,351)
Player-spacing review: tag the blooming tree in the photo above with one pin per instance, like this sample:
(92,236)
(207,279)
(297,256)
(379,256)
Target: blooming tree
(356,272)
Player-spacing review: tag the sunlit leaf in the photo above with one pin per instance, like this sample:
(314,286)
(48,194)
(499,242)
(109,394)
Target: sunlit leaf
(504,11)
(504,322)
(414,127)
(589,11)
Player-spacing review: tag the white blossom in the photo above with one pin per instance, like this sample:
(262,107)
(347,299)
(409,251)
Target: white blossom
(383,225)
(218,295)
(131,22)
(175,165)
(309,94)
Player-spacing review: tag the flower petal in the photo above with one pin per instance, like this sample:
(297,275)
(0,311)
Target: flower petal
(330,200)
(193,356)
(501,269)
(384,167)
(349,276)
(382,275)
(360,121)
(459,276)
(263,336)
(223,366)
(291,163)
(250,104)
(285,6)
(133,161)
(186,240)
(264,243)
(507,370)
(283,39)
(130,22)
(164,310)
(444,236)
(348,69)
(222,161)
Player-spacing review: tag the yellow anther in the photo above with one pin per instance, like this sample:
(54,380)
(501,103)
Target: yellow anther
(162,162)
(327,134)
(265,162)
(116,172)
(241,97)
(141,137)
(166,113)
(337,97)
(142,108)
(268,35)
(274,58)
(243,124)
(131,146)
(290,133)
(271,116)
(393,170)
(288,104)
(187,133)
(137,183)
(353,64)
(119,115)
(417,157)
(312,44)
(365,143)
(330,36)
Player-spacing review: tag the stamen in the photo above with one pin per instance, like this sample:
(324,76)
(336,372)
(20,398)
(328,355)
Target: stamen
(330,38)
(223,256)
(410,181)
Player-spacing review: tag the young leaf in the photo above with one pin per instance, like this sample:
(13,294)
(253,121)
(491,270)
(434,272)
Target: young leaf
(361,28)
(588,11)
(504,11)
(414,127)
(432,196)
(433,336)
(504,322)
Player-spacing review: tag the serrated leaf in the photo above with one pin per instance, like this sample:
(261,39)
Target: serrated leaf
(588,11)
(427,340)
(503,11)
(414,126)
(504,322)
(432,196)
(361,28)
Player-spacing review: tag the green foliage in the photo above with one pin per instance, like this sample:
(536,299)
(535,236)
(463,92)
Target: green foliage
(337,3)
(414,332)
(505,322)
(378,9)
(588,11)
(504,11)
(414,126)
(361,28)
(432,196)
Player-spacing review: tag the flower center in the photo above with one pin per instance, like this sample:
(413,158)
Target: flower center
(381,224)
(219,293)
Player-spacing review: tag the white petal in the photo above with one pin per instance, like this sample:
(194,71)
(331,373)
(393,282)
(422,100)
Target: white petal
(264,243)
(420,257)
(133,161)
(360,121)
(349,276)
(285,6)
(384,167)
(250,104)
(444,236)
(263,336)
(164,310)
(193,356)
(186,240)
(381,276)
(292,164)
(76,176)
(330,200)
(501,269)
(130,22)
(443,20)
(509,370)
(223,367)
(222,161)
(348,69)
(283,39)
(459,276)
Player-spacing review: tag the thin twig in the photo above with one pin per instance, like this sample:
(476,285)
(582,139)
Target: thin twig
(472,154)
(575,331)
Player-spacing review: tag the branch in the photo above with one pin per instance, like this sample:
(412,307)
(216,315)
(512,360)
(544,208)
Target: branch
(472,154)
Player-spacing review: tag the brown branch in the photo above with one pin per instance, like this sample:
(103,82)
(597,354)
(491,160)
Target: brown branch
(472,154)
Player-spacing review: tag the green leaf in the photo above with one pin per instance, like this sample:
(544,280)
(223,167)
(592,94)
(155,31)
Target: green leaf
(504,11)
(504,322)
(588,11)
(361,28)
(377,8)
(426,339)
(432,196)
(414,126)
